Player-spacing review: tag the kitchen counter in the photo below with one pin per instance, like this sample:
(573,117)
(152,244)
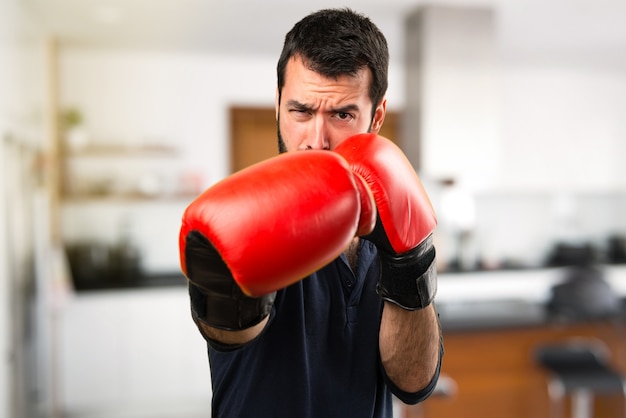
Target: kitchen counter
(504,313)
(506,298)
(465,301)
(137,282)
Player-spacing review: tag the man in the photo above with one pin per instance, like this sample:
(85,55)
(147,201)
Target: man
(311,275)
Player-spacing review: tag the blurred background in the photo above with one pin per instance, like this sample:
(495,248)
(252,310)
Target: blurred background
(115,114)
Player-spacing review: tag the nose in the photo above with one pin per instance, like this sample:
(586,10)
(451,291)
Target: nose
(319,136)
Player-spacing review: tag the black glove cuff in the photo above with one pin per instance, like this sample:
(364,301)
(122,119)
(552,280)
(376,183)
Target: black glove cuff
(216,299)
(410,279)
(231,312)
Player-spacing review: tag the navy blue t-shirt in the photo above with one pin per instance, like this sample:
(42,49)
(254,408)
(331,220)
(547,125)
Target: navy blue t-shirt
(317,357)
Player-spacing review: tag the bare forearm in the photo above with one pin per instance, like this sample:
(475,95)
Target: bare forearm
(409,345)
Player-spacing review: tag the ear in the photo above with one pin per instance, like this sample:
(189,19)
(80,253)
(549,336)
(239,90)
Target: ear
(277,102)
(379,116)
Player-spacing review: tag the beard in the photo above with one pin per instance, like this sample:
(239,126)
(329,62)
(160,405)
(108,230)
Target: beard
(282,148)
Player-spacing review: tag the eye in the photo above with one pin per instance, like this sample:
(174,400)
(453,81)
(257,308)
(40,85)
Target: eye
(344,116)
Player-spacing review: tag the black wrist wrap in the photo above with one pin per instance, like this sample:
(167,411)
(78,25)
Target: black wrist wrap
(216,299)
(410,279)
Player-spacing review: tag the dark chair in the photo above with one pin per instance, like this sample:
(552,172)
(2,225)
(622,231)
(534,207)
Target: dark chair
(579,368)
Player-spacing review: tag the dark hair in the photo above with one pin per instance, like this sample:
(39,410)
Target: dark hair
(336,42)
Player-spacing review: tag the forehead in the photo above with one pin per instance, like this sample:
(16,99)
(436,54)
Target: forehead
(300,81)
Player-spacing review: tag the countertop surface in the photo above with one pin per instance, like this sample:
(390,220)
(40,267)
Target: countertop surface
(465,301)
(505,299)
(490,315)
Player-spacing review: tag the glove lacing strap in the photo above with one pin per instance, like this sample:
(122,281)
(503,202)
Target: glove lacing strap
(410,279)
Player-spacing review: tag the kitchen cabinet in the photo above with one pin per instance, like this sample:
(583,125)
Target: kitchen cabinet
(495,374)
(132,350)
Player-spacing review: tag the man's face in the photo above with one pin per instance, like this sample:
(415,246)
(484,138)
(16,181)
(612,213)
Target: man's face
(316,112)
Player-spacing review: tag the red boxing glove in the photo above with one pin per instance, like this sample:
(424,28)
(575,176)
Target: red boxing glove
(406,219)
(267,227)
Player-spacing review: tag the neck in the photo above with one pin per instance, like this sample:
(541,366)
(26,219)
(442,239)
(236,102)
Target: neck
(352,253)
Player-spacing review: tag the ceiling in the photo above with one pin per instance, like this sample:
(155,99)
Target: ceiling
(582,30)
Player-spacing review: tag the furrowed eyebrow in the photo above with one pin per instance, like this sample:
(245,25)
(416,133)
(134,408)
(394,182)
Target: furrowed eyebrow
(345,109)
(297,105)
(294,104)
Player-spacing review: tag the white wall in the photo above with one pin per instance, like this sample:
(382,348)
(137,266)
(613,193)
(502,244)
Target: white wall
(563,127)
(455,77)
(131,97)
(22,71)
(4,295)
